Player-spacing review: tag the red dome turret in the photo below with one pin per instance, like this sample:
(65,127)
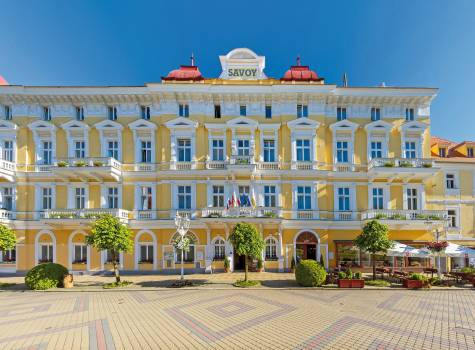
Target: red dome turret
(3,81)
(300,73)
(185,72)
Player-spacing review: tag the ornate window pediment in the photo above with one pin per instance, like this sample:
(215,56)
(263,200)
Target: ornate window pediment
(344,125)
(414,127)
(142,124)
(243,123)
(379,125)
(303,124)
(181,123)
(108,125)
(41,125)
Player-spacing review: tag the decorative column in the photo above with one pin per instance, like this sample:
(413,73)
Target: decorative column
(208,250)
(281,251)
(172,150)
(229,249)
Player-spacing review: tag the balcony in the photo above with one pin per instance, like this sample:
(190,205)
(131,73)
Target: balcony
(344,167)
(269,166)
(401,215)
(241,212)
(402,168)
(7,170)
(322,215)
(7,215)
(301,165)
(65,216)
(88,169)
(241,164)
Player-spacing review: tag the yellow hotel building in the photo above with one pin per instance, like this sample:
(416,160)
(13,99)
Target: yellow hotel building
(306,162)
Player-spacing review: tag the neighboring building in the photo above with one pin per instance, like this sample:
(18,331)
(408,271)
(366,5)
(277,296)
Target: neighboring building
(308,163)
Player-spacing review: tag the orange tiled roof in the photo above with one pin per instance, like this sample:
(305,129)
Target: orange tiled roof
(453,155)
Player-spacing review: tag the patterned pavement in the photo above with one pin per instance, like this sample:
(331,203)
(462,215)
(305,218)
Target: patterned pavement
(238,319)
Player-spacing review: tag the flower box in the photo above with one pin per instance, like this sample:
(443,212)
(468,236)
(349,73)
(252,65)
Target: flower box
(412,284)
(353,283)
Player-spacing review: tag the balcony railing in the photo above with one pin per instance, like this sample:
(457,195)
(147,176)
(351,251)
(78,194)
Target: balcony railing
(268,165)
(241,160)
(401,163)
(322,215)
(6,214)
(78,214)
(300,165)
(235,212)
(395,214)
(96,162)
(7,165)
(216,164)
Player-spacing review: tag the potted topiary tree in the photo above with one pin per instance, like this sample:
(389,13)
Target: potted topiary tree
(414,281)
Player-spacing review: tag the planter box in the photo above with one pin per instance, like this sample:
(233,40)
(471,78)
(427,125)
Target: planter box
(350,283)
(412,284)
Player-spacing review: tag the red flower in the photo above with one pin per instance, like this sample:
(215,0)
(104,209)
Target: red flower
(437,246)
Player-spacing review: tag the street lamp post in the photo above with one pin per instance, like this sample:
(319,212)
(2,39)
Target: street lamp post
(437,235)
(182,224)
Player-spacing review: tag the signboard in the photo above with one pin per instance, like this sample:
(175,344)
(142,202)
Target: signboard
(242,64)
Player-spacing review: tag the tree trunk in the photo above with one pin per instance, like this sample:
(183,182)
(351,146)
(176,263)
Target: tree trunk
(245,268)
(116,268)
(373,261)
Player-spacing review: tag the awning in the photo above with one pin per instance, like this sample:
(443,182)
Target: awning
(401,249)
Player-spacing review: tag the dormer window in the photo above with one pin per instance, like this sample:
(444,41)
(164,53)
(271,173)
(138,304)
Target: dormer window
(112,113)
(242,110)
(341,113)
(470,152)
(268,112)
(442,152)
(183,110)
(8,112)
(302,111)
(145,112)
(217,111)
(375,114)
(409,114)
(46,114)
(79,113)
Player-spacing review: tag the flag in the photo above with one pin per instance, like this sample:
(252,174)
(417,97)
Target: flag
(233,201)
(253,202)
(238,202)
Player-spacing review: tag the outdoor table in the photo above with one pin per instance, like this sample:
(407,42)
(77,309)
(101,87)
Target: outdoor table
(382,271)
(430,270)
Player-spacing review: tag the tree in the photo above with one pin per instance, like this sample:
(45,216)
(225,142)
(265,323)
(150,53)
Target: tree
(7,238)
(247,241)
(109,233)
(374,239)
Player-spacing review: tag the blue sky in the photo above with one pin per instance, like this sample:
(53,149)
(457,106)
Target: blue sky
(403,43)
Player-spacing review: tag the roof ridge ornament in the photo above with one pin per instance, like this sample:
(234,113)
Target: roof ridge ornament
(242,64)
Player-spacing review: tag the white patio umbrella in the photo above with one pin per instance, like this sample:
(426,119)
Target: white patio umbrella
(454,251)
(401,249)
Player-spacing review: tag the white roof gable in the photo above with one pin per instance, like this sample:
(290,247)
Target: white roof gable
(181,123)
(303,123)
(108,125)
(142,124)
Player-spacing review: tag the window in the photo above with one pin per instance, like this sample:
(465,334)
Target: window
(470,152)
(184,197)
(79,113)
(375,114)
(9,256)
(378,198)
(46,113)
(79,149)
(242,110)
(7,153)
(113,149)
(411,194)
(271,248)
(304,198)
(145,112)
(442,152)
(146,151)
(146,253)
(47,198)
(145,198)
(184,150)
(343,199)
(79,198)
(376,149)
(410,150)
(450,181)
(219,249)
(303,150)
(340,113)
(270,197)
(80,254)
(218,196)
(342,152)
(7,198)
(183,110)
(243,148)
(8,112)
(302,111)
(409,114)
(110,259)
(112,113)
(268,112)
(217,152)
(269,150)
(46,252)
(46,152)
(113,197)
(217,111)
(452,218)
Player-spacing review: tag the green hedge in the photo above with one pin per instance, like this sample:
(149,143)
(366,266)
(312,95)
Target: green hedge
(309,273)
(45,276)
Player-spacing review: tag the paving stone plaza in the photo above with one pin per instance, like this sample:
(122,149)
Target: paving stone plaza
(238,319)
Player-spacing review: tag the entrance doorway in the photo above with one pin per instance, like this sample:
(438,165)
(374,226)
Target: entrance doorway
(306,246)
(239,262)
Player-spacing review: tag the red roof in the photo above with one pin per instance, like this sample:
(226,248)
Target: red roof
(185,73)
(3,81)
(300,73)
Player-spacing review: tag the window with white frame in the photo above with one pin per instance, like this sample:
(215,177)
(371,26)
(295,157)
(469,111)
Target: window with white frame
(47,198)
(242,110)
(343,197)
(244,196)
(112,113)
(412,199)
(8,112)
(409,114)
(184,197)
(146,252)
(340,113)
(452,218)
(442,152)
(113,149)
(243,147)
(303,150)
(46,113)
(219,249)
(145,112)
(375,114)
(79,113)
(218,196)
(146,198)
(342,151)
(184,150)
(188,256)
(146,151)
(80,253)
(269,150)
(270,196)
(410,150)
(450,183)
(302,111)
(79,198)
(271,248)
(79,149)
(304,198)
(46,152)
(112,197)
(378,198)
(217,152)
(8,256)
(7,152)
(268,112)
(7,198)
(183,110)
(376,149)
(46,252)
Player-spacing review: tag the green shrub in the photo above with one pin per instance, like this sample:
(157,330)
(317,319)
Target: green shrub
(389,165)
(342,275)
(45,276)
(310,274)
(62,164)
(357,275)
(246,284)
(436,281)
(378,283)
(417,277)
(468,270)
(349,274)
(260,263)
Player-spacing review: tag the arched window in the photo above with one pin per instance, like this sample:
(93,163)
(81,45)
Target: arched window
(219,249)
(271,248)
(188,256)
